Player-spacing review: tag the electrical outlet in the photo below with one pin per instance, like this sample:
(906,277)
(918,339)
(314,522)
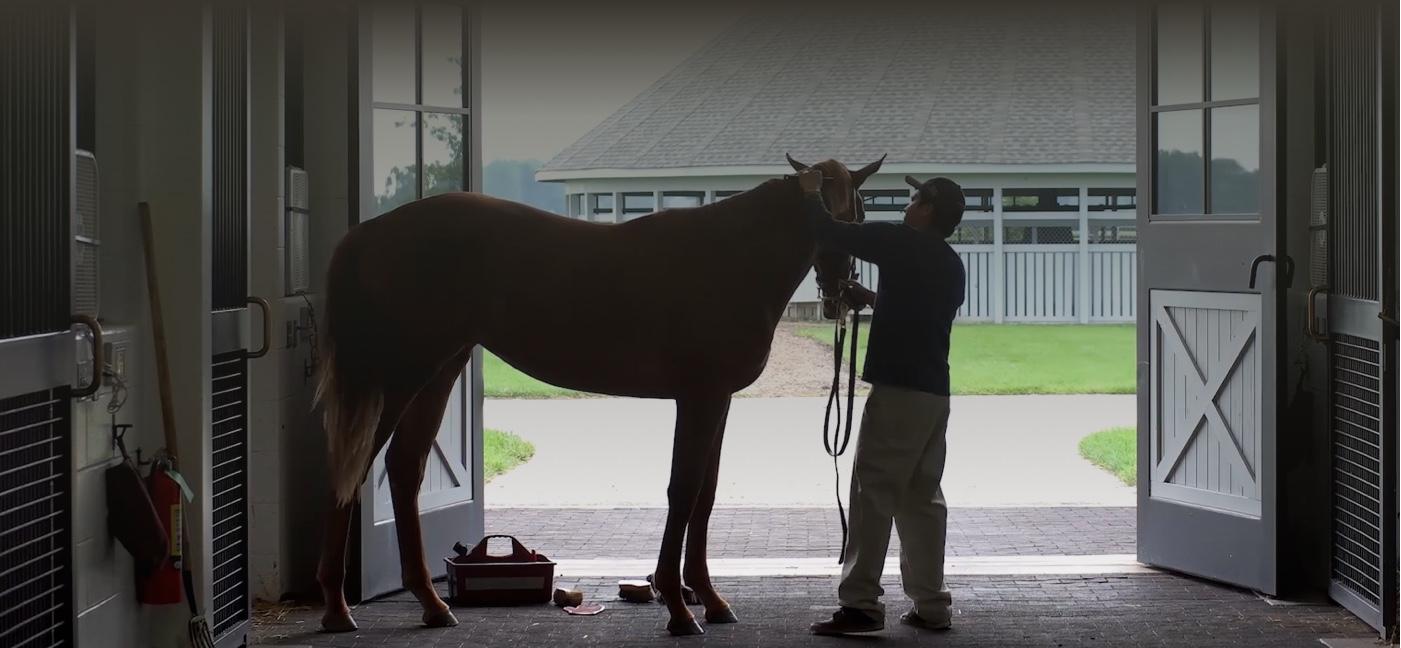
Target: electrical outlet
(116,358)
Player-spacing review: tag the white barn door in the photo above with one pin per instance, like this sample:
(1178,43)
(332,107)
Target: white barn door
(1207,338)
(419,123)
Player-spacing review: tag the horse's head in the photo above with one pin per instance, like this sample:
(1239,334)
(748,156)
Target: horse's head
(839,192)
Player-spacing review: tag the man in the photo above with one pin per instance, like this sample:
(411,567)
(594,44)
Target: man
(900,451)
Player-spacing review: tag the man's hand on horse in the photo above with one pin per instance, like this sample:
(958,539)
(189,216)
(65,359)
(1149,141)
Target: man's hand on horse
(857,295)
(810,180)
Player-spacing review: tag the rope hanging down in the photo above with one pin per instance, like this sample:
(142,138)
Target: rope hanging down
(835,440)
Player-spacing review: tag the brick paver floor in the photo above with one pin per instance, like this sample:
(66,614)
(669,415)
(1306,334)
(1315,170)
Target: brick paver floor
(990,611)
(812,532)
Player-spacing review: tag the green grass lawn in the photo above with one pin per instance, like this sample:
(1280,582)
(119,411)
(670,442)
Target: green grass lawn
(504,381)
(1032,358)
(502,451)
(1115,450)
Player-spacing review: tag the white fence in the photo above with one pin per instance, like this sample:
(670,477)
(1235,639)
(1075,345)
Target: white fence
(1039,283)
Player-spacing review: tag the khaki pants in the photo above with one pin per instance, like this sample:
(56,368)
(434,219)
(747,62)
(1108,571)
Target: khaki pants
(899,464)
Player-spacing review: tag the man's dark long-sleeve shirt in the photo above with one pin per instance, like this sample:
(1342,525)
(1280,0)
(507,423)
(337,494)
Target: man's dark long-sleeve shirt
(920,291)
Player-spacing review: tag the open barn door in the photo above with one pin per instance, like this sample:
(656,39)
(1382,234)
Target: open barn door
(418,127)
(1207,333)
(1354,215)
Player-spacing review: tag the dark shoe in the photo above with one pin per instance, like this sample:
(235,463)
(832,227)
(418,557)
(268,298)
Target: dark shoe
(849,621)
(913,618)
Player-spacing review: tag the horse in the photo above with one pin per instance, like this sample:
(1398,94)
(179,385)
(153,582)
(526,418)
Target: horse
(681,304)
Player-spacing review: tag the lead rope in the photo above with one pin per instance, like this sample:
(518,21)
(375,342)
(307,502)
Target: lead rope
(836,441)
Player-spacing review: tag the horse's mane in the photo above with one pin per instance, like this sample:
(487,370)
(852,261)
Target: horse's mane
(765,199)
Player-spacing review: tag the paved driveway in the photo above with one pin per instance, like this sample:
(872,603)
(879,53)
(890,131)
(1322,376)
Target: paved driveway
(1003,451)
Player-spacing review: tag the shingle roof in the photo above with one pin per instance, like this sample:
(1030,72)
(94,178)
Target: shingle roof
(981,83)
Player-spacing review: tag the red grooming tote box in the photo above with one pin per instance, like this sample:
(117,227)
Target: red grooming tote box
(478,578)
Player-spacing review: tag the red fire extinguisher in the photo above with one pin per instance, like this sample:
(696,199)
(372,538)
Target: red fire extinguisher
(163,585)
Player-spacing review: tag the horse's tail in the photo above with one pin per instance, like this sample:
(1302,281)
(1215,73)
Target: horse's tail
(351,399)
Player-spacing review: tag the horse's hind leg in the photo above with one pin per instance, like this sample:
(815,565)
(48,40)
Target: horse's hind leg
(697,571)
(330,572)
(697,421)
(405,461)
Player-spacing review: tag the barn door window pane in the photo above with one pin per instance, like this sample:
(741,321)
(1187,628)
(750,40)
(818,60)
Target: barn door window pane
(1179,54)
(1235,160)
(444,140)
(395,159)
(1235,51)
(393,45)
(1199,171)
(1179,163)
(442,56)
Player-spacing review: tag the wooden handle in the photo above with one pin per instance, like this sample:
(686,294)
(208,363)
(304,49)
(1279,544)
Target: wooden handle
(158,332)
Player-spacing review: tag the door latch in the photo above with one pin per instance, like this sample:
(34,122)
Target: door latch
(1288,268)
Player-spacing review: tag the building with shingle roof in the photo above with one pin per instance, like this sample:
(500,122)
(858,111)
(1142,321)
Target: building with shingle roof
(1028,106)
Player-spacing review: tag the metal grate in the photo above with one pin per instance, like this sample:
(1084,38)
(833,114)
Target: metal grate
(229,250)
(36,579)
(229,521)
(86,242)
(1353,153)
(34,169)
(1357,467)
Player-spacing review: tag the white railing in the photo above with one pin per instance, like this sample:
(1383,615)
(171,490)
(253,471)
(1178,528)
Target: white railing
(1113,283)
(1040,283)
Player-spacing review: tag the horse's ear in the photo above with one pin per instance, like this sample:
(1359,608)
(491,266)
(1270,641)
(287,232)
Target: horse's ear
(797,166)
(859,176)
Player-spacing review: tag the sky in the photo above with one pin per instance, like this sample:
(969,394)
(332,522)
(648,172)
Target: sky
(548,76)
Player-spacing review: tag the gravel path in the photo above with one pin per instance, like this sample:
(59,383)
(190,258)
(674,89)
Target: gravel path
(798,366)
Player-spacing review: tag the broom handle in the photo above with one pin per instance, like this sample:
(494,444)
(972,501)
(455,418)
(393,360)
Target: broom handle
(158,331)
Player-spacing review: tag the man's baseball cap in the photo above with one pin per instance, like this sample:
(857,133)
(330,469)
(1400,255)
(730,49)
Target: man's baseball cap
(945,194)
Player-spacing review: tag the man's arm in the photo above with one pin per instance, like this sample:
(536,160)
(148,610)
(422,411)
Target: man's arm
(879,243)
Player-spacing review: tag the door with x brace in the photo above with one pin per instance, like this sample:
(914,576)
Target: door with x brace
(1211,276)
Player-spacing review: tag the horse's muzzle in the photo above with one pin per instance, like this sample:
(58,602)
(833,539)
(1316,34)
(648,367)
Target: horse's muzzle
(831,308)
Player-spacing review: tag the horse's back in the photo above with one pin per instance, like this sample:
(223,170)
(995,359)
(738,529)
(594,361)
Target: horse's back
(597,307)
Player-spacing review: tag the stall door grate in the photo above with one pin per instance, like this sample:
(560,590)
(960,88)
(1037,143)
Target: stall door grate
(1357,468)
(229,522)
(36,579)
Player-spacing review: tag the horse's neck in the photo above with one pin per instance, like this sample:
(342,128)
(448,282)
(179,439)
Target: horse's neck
(779,241)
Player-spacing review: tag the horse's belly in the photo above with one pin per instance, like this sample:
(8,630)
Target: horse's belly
(588,371)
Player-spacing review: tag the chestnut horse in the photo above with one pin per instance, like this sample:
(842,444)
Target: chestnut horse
(681,304)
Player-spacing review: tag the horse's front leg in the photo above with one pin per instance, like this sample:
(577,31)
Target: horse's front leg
(697,424)
(697,569)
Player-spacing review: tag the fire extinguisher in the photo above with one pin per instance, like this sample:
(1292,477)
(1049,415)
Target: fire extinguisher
(163,585)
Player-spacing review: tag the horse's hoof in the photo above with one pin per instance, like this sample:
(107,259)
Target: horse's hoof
(723,615)
(439,619)
(684,627)
(338,622)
